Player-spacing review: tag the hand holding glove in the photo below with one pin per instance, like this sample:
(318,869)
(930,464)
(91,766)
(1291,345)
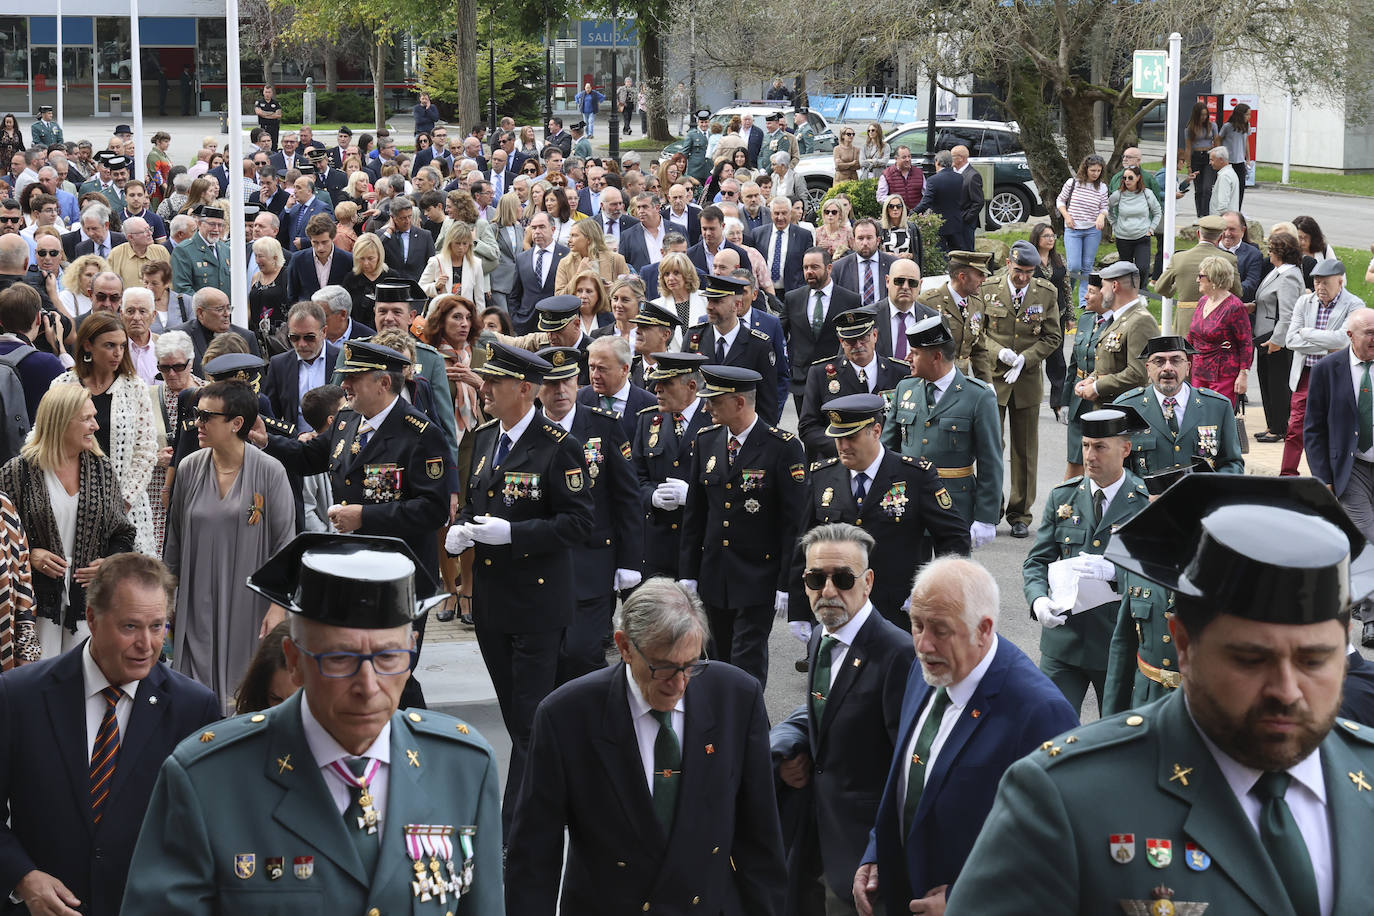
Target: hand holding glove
(488,529)
(458,539)
(780,604)
(662,498)
(1048,615)
(1007,356)
(1094,566)
(981,533)
(626,578)
(801,629)
(1012,375)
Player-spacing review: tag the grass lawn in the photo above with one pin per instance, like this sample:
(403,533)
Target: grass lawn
(643,144)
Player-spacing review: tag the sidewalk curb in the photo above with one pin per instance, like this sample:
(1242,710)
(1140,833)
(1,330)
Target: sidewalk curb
(1295,189)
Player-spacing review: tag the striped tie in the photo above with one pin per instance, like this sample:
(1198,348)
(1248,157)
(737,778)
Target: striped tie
(105,753)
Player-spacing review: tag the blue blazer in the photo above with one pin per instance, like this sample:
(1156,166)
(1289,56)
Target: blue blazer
(943,194)
(301,280)
(283,381)
(693,223)
(45,774)
(1249,263)
(293,228)
(1014,709)
(634,249)
(1333,423)
(527,290)
(635,401)
(702,261)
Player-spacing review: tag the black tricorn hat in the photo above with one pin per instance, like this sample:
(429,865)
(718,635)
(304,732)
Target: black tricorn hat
(1160,481)
(1269,549)
(1117,420)
(347,580)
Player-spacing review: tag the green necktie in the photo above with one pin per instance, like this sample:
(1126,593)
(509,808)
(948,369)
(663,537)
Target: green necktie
(1364,403)
(667,769)
(930,395)
(820,678)
(608,403)
(364,842)
(1280,836)
(916,776)
(817,315)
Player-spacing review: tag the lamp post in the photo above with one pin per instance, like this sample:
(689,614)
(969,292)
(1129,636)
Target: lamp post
(615,82)
(548,72)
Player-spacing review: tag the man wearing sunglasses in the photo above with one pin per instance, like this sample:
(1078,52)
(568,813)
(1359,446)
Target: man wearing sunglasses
(693,824)
(306,366)
(336,781)
(899,311)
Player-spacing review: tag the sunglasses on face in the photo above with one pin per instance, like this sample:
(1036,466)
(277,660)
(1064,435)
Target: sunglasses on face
(844,579)
(905,281)
(164,368)
(107,297)
(530,171)
(894,206)
(832,212)
(48,253)
(11,219)
(297,338)
(205,416)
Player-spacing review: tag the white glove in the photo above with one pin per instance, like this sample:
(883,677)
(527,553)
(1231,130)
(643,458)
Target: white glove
(1012,375)
(458,539)
(981,533)
(780,604)
(627,578)
(678,487)
(663,498)
(800,629)
(689,584)
(1094,566)
(489,529)
(1007,355)
(1048,615)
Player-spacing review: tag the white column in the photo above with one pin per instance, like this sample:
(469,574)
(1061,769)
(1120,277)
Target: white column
(1171,173)
(1287,137)
(136,90)
(238,279)
(58,113)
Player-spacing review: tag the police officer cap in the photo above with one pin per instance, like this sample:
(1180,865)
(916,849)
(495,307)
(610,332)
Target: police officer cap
(316,152)
(856,322)
(364,582)
(1023,254)
(1095,279)
(1326,267)
(1160,481)
(505,361)
(728,380)
(703,114)
(656,316)
(1269,549)
(104,155)
(115,163)
(394,291)
(305,168)
(714,287)
(579,125)
(853,413)
(250,211)
(773,116)
(929,332)
(671,365)
(557,311)
(977,260)
(566,362)
(1212,224)
(1117,420)
(344,129)
(365,356)
(205,211)
(242,366)
(1166,344)
(1118,270)
(44,108)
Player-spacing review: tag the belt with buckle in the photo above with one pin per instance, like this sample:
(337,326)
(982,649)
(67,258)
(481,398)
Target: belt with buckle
(1082,374)
(1170,679)
(956,472)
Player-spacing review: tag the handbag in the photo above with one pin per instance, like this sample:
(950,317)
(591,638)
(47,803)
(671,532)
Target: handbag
(1240,425)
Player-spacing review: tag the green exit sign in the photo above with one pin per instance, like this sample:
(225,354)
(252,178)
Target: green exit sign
(1150,75)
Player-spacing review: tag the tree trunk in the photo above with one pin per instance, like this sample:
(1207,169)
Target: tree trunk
(1027,106)
(1078,117)
(378,60)
(331,69)
(469,108)
(654,78)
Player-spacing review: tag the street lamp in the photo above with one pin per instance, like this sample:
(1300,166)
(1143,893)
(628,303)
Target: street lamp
(615,82)
(491,74)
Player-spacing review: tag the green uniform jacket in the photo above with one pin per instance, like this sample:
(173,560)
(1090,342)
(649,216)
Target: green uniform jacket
(247,790)
(1033,330)
(193,267)
(806,140)
(1142,626)
(962,431)
(1067,530)
(971,355)
(1046,847)
(1209,430)
(1082,359)
(698,166)
(45,133)
(1117,364)
(582,149)
(111,193)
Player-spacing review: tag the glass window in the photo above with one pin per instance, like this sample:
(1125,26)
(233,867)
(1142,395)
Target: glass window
(212,51)
(1001,143)
(971,137)
(113,57)
(14,49)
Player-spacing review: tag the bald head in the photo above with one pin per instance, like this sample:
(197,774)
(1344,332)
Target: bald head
(14,254)
(1359,327)
(725,261)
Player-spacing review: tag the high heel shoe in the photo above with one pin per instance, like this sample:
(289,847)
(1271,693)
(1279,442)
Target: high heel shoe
(449,610)
(465,618)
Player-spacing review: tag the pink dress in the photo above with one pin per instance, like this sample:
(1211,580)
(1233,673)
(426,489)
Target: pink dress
(1225,345)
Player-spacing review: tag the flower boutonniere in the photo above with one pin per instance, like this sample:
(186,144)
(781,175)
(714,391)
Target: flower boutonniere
(255,510)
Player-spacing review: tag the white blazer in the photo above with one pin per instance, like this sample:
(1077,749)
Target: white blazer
(1304,339)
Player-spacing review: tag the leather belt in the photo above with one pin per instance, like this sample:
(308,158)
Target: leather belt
(1082,373)
(956,472)
(1170,679)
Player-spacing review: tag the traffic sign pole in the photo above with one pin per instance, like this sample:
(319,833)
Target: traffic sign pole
(1171,172)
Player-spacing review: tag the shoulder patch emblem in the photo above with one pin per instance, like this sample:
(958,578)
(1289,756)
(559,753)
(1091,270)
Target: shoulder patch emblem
(943,498)
(798,472)
(573,478)
(434,468)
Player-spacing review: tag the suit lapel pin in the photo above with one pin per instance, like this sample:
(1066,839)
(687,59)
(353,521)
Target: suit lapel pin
(152,701)
(1195,857)
(710,749)
(1360,783)
(1122,846)
(414,758)
(284,764)
(858,662)
(1181,774)
(975,713)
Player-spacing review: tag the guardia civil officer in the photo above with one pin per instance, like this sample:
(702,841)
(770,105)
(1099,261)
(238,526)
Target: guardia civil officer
(1097,313)
(694,147)
(745,499)
(899,500)
(961,304)
(1117,364)
(1242,793)
(333,801)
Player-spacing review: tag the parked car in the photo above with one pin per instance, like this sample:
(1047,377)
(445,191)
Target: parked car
(1013,197)
(825,136)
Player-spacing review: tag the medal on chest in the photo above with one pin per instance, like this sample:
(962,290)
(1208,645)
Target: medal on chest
(894,501)
(591,450)
(382,482)
(833,385)
(654,425)
(520,486)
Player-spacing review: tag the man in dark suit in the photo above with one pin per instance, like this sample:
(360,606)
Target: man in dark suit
(408,248)
(221,174)
(535,270)
(1337,433)
(558,138)
(338,315)
(944,195)
(865,269)
(834,751)
(307,365)
(929,818)
(328,178)
(809,317)
(303,273)
(1249,260)
(608,366)
(729,343)
(212,317)
(499,175)
(290,156)
(270,196)
(94,236)
(613,220)
(899,311)
(682,214)
(86,733)
(703,253)
(783,245)
(343,139)
(682,745)
(752,135)
(304,208)
(972,197)
(755,317)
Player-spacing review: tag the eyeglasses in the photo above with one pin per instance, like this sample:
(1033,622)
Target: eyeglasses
(216,309)
(107,297)
(48,252)
(11,219)
(297,338)
(844,578)
(848,133)
(668,672)
(387,663)
(912,282)
(1202,276)
(164,368)
(894,206)
(832,212)
(1160,362)
(205,416)
(529,171)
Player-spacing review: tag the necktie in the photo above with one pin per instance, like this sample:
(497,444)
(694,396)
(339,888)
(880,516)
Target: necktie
(608,403)
(720,352)
(1169,414)
(539,265)
(916,776)
(679,425)
(1365,404)
(405,245)
(502,449)
(355,815)
(364,435)
(868,283)
(777,258)
(300,220)
(104,753)
(899,336)
(732,449)
(1280,836)
(820,679)
(667,769)
(610,227)
(1099,500)
(863,377)
(817,314)
(931,392)
(860,487)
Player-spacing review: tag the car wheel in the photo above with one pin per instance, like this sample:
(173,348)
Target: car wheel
(816,189)
(1008,205)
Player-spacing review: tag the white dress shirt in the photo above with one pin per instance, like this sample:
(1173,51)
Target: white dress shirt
(567,421)
(958,299)
(1110,490)
(871,472)
(653,242)
(621,398)
(1356,379)
(96,681)
(646,726)
(376,420)
(728,338)
(782,252)
(326,750)
(959,695)
(942,384)
(902,322)
(516,431)
(846,636)
(310,375)
(870,372)
(743,434)
(322,267)
(1182,402)
(548,262)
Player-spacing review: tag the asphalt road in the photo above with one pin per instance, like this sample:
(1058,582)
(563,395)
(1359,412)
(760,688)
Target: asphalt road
(1346,221)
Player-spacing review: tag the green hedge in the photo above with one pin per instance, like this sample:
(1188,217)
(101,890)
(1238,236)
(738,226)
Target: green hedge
(863,197)
(329,106)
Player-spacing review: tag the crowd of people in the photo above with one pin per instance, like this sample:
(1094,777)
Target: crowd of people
(544,393)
